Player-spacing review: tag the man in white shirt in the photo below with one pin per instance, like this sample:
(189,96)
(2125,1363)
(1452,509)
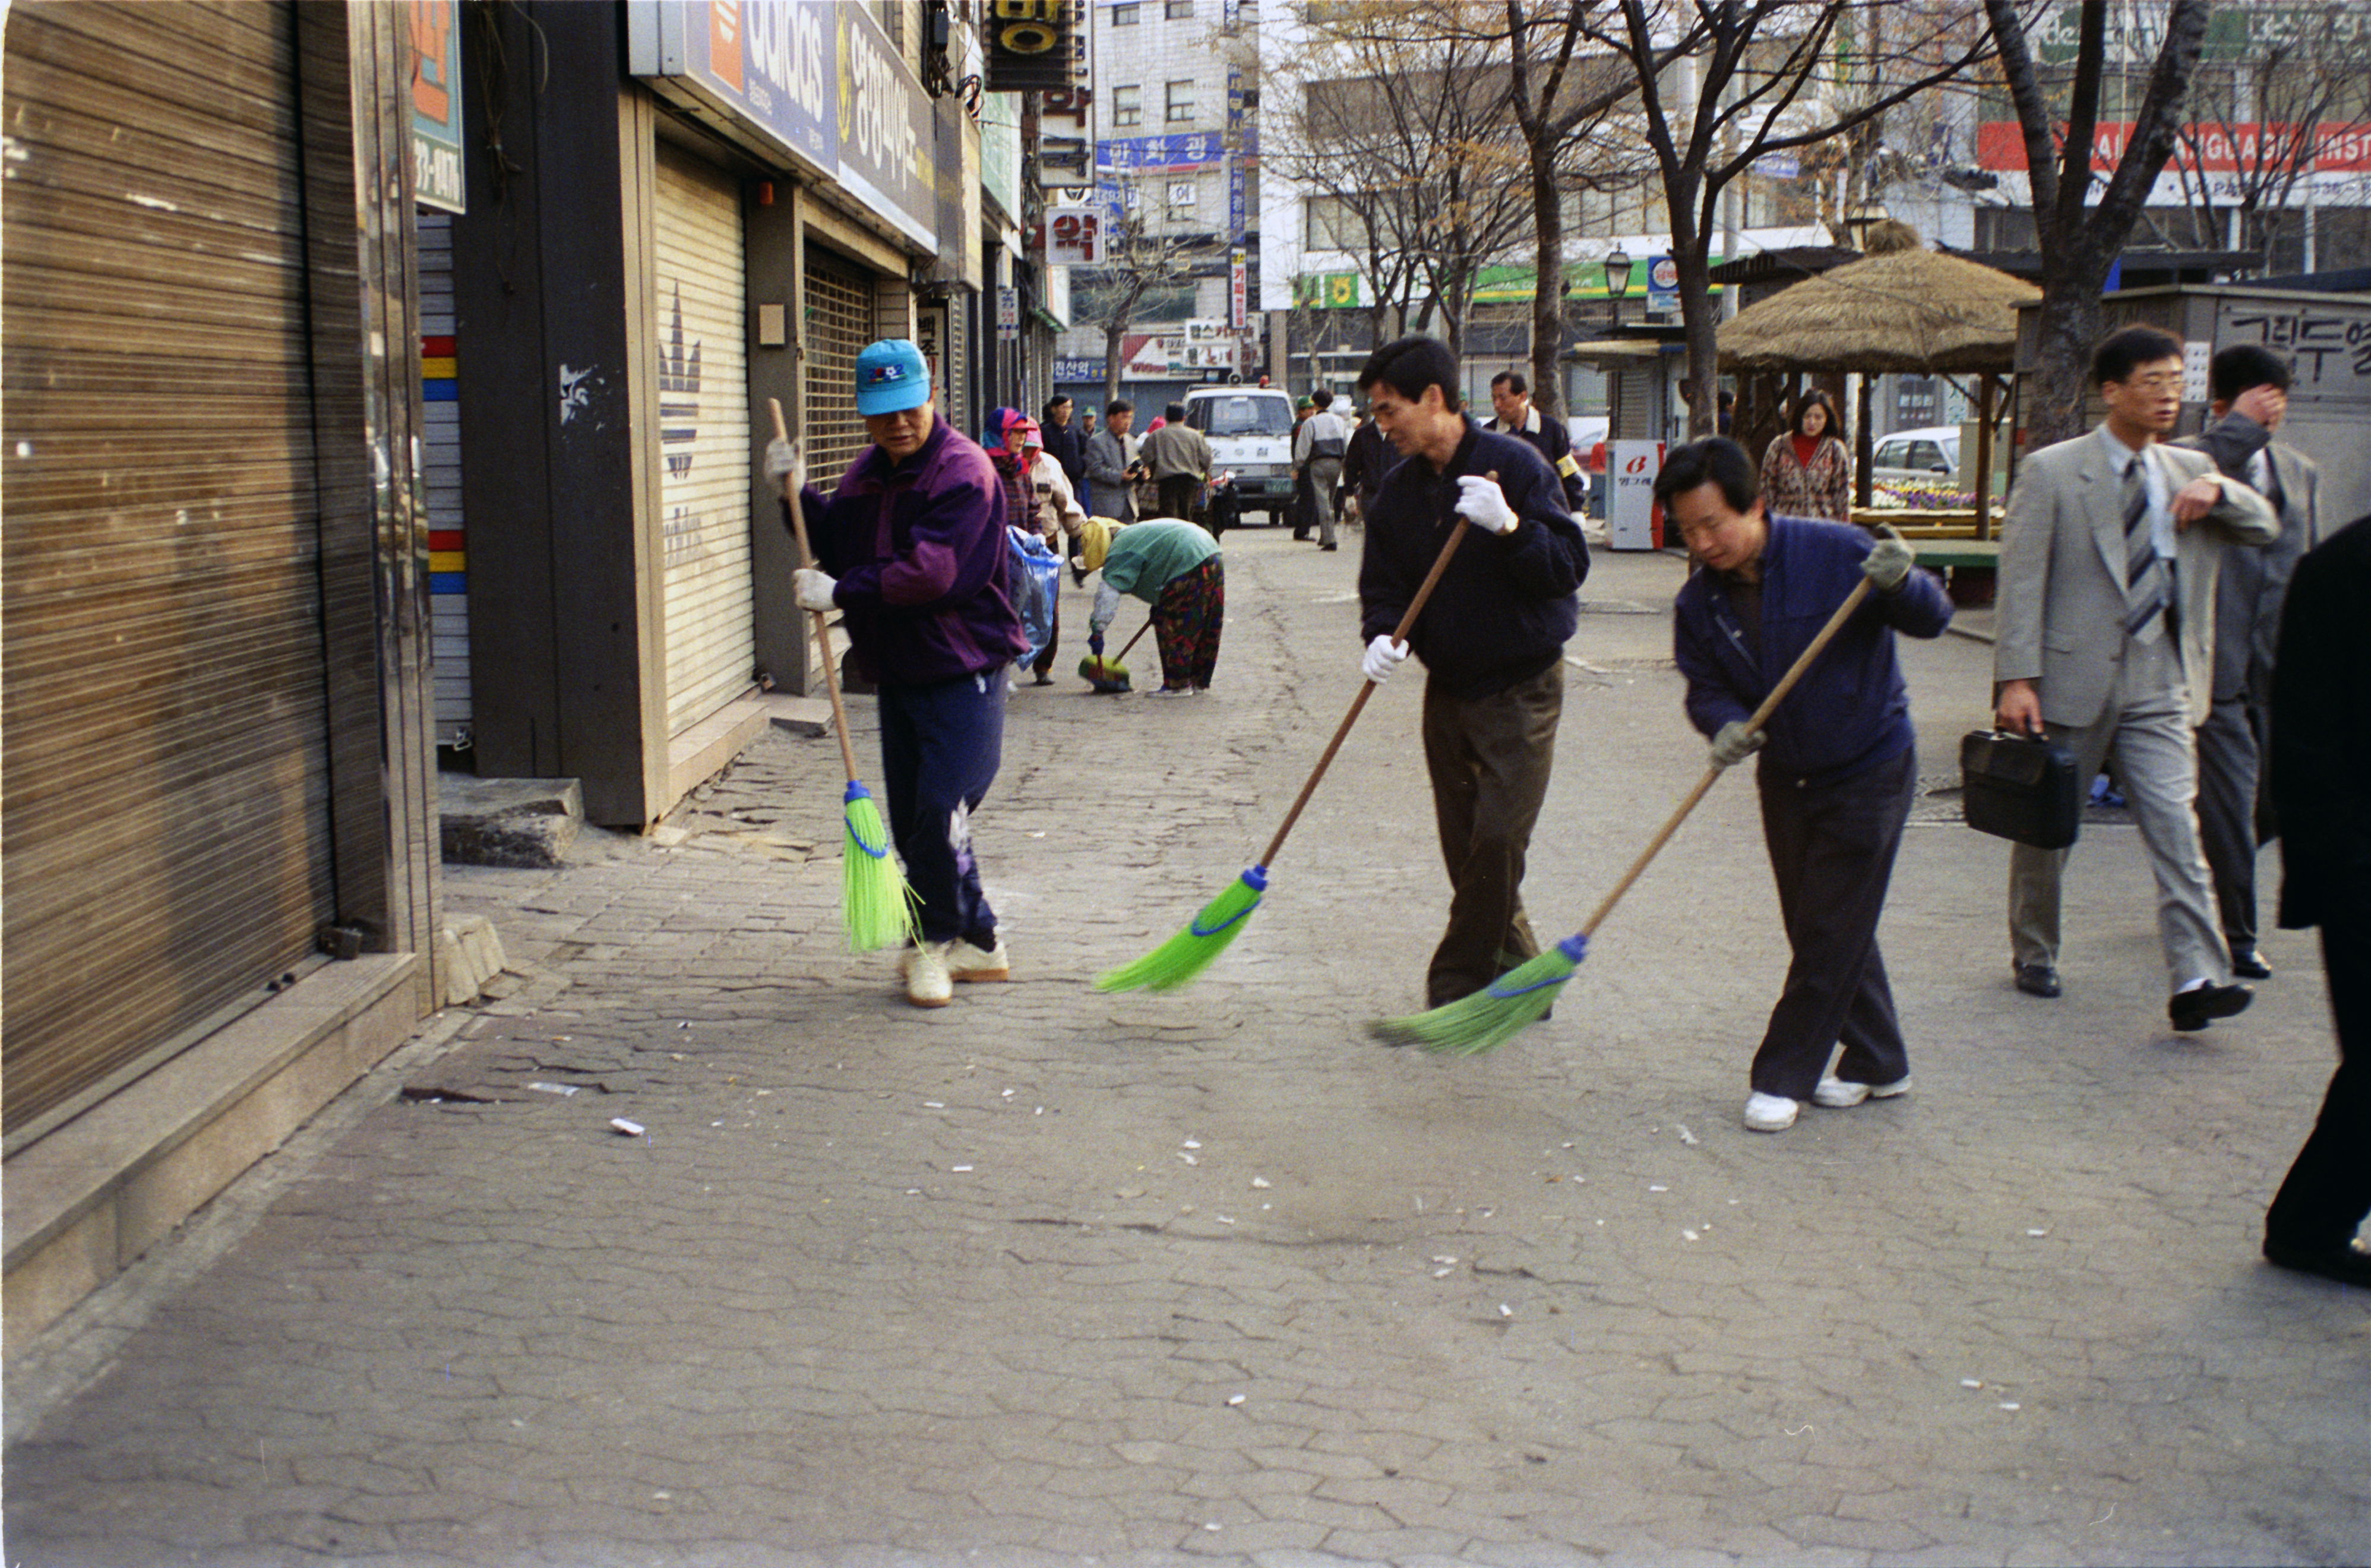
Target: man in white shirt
(1317,448)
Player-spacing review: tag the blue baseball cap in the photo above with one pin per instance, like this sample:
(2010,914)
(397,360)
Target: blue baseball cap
(891,377)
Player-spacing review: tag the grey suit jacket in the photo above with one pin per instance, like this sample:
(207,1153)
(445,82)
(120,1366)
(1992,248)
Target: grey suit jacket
(2248,607)
(2060,599)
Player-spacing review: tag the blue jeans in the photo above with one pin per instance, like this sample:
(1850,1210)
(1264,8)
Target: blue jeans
(940,747)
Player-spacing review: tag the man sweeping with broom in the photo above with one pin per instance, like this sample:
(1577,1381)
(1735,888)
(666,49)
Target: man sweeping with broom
(1838,770)
(912,549)
(1492,639)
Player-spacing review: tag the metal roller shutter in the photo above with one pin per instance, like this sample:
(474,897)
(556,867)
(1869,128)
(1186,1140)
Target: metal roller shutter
(440,473)
(839,319)
(165,799)
(703,440)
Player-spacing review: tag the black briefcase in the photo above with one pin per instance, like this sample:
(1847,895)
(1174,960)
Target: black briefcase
(2022,788)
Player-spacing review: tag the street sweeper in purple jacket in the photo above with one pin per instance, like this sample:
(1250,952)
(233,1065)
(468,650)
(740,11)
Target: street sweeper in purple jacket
(911,548)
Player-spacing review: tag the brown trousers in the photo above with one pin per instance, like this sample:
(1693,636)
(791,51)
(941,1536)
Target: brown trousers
(1490,758)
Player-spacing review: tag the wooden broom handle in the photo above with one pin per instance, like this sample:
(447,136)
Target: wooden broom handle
(1760,716)
(822,618)
(1366,687)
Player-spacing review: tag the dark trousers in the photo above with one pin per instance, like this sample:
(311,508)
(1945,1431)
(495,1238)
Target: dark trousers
(940,747)
(1178,494)
(1490,758)
(1831,850)
(2228,747)
(2328,1193)
(1186,622)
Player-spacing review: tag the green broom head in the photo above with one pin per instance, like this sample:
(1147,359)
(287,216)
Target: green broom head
(1191,950)
(875,905)
(1108,676)
(1493,1015)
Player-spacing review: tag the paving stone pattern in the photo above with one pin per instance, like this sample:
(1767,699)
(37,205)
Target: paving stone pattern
(1050,1277)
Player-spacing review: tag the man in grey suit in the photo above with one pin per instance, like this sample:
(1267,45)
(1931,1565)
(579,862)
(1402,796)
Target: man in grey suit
(2250,385)
(2105,640)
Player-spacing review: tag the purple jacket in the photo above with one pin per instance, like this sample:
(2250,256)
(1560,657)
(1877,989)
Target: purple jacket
(921,556)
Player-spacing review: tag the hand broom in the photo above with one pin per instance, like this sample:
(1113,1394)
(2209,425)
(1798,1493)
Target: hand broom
(1193,950)
(1503,1009)
(877,907)
(1109,677)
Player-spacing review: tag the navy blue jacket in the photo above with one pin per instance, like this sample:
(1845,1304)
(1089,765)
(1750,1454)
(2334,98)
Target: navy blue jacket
(1505,607)
(1850,712)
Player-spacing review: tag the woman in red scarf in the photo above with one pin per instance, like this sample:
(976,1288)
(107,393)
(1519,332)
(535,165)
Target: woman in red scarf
(1807,471)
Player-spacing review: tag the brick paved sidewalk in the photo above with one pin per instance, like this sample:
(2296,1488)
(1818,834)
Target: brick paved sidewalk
(1051,1277)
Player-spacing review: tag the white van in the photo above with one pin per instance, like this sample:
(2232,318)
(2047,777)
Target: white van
(1250,430)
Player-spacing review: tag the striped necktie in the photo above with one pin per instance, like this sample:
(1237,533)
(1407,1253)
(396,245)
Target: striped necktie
(2146,588)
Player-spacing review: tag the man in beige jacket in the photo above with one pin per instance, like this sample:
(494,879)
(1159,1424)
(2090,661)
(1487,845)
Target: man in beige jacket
(2105,631)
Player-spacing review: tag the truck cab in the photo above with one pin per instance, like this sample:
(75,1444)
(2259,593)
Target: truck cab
(1250,431)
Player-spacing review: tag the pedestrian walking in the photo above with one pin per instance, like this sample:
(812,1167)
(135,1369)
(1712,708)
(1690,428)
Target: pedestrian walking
(1806,470)
(1299,507)
(1363,465)
(911,550)
(2110,557)
(2321,789)
(1177,569)
(1318,446)
(1180,458)
(1838,770)
(1491,637)
(1112,466)
(1037,497)
(1515,414)
(1066,444)
(2250,386)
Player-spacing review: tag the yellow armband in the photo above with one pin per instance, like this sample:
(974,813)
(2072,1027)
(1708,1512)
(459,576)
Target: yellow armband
(1568,467)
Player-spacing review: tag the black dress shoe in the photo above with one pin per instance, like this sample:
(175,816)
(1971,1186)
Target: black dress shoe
(2248,965)
(2202,1005)
(2037,979)
(2349,1264)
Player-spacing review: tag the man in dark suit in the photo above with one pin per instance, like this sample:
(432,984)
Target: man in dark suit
(2105,639)
(2250,385)
(2320,777)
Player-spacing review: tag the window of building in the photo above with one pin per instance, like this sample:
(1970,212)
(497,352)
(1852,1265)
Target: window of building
(1181,102)
(1177,10)
(1127,14)
(1128,105)
(1334,225)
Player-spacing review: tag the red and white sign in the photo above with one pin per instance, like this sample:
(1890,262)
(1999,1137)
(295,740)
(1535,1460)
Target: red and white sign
(1074,236)
(2337,147)
(1632,520)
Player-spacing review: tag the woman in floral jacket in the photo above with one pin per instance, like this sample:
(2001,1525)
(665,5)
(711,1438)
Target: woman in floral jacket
(1807,471)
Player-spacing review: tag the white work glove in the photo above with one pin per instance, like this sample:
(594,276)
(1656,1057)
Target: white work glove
(1481,503)
(1382,657)
(1734,743)
(1889,562)
(814,588)
(785,461)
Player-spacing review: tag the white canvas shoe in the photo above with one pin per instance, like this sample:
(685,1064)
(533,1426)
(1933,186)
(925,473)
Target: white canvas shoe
(1841,1094)
(1770,1112)
(966,962)
(927,983)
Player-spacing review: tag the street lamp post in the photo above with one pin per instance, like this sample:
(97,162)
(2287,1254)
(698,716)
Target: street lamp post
(1617,272)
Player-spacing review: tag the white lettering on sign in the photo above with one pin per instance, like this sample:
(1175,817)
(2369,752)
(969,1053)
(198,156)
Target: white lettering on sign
(882,129)
(786,52)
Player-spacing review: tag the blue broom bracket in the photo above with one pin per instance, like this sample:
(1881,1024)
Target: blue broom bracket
(1575,947)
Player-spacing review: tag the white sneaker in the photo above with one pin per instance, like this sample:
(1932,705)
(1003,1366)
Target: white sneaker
(1770,1112)
(926,981)
(966,962)
(1841,1094)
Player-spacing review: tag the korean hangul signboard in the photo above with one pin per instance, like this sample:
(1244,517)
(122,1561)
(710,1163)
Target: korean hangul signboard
(1074,236)
(1029,47)
(1008,311)
(432,34)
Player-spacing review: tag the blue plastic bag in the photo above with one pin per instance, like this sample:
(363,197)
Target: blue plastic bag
(1036,578)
